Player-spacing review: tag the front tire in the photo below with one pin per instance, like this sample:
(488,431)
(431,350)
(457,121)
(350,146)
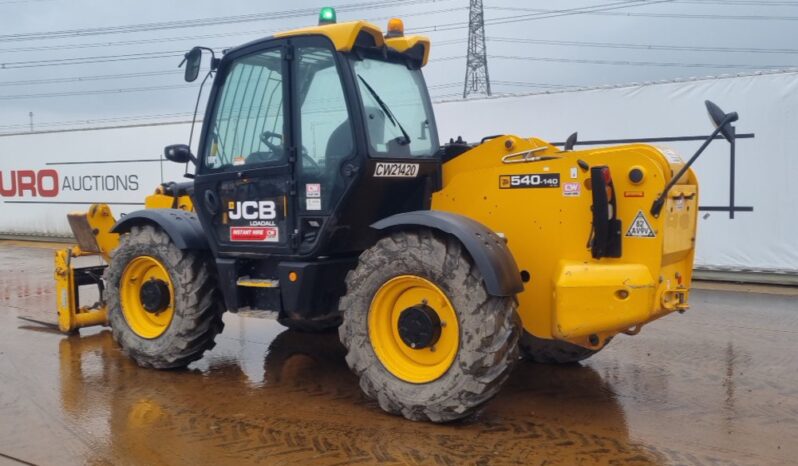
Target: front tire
(163,304)
(430,278)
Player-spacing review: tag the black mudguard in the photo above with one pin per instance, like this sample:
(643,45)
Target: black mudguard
(183,227)
(488,251)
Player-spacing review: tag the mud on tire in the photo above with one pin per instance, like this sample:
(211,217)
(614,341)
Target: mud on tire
(489,328)
(545,351)
(198,305)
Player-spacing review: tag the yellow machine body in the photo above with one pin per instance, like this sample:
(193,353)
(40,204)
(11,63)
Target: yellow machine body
(92,230)
(569,295)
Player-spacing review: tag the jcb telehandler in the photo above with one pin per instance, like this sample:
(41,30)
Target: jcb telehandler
(320,190)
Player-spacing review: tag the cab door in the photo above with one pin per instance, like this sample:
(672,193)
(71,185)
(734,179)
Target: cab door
(243,183)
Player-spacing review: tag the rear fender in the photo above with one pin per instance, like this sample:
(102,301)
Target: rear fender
(487,249)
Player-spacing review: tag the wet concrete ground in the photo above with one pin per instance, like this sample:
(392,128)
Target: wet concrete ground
(718,385)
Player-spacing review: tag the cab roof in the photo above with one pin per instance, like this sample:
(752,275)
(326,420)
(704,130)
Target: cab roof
(345,36)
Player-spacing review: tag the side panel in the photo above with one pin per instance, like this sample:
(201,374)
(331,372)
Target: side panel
(487,249)
(543,207)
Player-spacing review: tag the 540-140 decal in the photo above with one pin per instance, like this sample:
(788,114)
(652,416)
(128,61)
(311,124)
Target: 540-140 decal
(531,180)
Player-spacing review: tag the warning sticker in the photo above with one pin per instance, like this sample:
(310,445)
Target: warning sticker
(670,154)
(313,190)
(571,189)
(313,204)
(640,228)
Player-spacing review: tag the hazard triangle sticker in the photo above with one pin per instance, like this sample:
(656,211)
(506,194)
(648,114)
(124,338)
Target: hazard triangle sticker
(640,227)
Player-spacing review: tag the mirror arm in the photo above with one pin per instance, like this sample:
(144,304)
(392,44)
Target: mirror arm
(656,207)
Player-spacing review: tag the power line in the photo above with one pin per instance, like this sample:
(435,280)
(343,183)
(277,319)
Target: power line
(120,119)
(178,53)
(144,89)
(158,40)
(546,14)
(664,15)
(536,85)
(741,2)
(87,60)
(74,79)
(213,21)
(639,63)
(691,48)
(9,2)
(95,92)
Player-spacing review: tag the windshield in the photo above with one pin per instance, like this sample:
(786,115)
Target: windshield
(398,113)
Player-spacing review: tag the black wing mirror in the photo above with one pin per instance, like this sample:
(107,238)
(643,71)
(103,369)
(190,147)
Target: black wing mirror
(193,60)
(722,120)
(179,153)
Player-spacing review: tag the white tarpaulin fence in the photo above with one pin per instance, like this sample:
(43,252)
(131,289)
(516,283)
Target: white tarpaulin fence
(43,176)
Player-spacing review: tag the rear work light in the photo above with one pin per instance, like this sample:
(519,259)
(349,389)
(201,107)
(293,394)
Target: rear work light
(327,16)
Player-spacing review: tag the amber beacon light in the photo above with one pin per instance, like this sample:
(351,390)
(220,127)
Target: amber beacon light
(396,28)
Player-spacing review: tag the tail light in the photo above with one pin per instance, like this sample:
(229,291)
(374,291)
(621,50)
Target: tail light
(605,238)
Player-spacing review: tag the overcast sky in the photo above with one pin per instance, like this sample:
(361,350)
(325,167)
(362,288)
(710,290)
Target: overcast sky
(679,38)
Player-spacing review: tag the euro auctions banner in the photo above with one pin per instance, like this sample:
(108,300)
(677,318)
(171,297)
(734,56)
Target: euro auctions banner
(44,176)
(761,232)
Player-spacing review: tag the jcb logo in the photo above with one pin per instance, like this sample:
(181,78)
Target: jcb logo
(252,210)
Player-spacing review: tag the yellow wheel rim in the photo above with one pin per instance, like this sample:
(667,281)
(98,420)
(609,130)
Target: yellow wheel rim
(412,365)
(146,323)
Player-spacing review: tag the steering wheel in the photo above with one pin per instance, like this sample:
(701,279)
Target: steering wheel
(277,150)
(267,136)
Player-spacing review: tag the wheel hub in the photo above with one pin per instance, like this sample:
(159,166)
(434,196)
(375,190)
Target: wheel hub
(154,295)
(410,310)
(419,326)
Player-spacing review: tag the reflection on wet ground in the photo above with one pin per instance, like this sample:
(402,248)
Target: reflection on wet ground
(717,385)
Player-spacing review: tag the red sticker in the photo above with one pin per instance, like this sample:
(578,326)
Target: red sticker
(262,234)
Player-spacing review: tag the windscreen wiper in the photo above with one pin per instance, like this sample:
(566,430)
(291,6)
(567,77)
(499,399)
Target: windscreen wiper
(387,111)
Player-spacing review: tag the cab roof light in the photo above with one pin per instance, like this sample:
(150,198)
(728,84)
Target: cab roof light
(396,28)
(327,16)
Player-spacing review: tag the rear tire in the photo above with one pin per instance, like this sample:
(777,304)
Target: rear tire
(487,341)
(196,304)
(543,351)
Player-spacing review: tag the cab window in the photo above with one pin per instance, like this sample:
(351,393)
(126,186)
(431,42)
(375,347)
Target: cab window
(325,130)
(397,109)
(248,123)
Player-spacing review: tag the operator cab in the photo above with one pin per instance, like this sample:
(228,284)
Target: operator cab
(311,136)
